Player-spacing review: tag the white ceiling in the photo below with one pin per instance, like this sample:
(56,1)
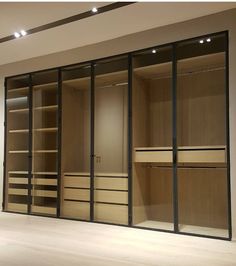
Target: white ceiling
(119,22)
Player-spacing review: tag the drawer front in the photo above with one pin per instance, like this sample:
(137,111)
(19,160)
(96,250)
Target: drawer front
(116,214)
(77,181)
(73,209)
(16,207)
(111,183)
(119,197)
(76,194)
(17,191)
(153,156)
(44,210)
(44,193)
(202,156)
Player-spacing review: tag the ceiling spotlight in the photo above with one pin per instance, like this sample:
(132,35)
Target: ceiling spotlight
(154,51)
(94,10)
(208,39)
(201,41)
(17,34)
(23,32)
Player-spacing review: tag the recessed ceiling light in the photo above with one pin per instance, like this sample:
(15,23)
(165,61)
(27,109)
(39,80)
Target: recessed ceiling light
(23,32)
(154,51)
(17,34)
(208,39)
(201,41)
(94,10)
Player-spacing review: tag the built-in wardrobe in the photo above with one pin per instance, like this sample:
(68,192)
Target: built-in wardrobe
(140,139)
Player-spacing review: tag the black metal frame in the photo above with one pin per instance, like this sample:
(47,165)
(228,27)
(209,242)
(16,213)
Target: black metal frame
(174,140)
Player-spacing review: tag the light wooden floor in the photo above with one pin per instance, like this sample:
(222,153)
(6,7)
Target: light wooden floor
(35,241)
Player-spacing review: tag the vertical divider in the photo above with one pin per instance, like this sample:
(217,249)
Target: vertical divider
(92,101)
(59,125)
(228,133)
(130,143)
(174,141)
(30,144)
(5,147)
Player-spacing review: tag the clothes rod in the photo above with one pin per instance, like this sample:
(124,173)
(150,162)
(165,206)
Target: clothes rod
(185,167)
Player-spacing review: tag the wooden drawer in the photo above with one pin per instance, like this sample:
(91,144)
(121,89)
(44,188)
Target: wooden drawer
(153,156)
(17,191)
(44,193)
(44,181)
(111,183)
(202,156)
(43,210)
(77,181)
(116,214)
(73,209)
(17,180)
(17,207)
(76,194)
(119,197)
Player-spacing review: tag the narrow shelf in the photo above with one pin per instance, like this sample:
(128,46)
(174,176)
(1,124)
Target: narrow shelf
(44,210)
(19,131)
(46,86)
(18,89)
(96,174)
(23,151)
(218,147)
(44,193)
(44,181)
(48,129)
(18,172)
(23,110)
(44,173)
(46,108)
(18,207)
(45,151)
(17,180)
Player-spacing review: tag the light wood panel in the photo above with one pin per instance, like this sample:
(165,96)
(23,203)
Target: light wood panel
(111,183)
(44,210)
(17,207)
(76,194)
(44,193)
(76,181)
(73,209)
(117,214)
(118,197)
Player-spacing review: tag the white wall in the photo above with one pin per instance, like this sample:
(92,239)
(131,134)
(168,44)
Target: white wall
(209,24)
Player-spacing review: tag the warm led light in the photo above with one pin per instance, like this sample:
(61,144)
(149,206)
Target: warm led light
(154,51)
(201,41)
(17,34)
(208,39)
(94,10)
(23,32)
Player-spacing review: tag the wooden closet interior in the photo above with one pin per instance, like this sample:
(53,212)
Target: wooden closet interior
(78,147)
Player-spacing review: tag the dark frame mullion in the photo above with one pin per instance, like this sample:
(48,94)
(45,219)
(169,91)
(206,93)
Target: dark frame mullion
(5,147)
(130,142)
(59,126)
(30,105)
(228,132)
(92,102)
(174,140)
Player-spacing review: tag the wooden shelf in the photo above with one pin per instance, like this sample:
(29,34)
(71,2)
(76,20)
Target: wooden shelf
(46,108)
(45,151)
(96,174)
(18,90)
(18,191)
(49,129)
(18,172)
(17,180)
(15,152)
(44,173)
(186,154)
(46,86)
(19,131)
(24,110)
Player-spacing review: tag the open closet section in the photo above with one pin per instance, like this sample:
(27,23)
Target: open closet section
(17,144)
(152,139)
(202,137)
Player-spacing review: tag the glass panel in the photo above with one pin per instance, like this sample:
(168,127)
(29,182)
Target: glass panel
(44,143)
(111,132)
(201,129)
(75,164)
(152,139)
(17,144)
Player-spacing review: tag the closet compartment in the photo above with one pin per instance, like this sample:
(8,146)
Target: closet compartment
(75,160)
(17,143)
(111,141)
(45,142)
(152,139)
(202,137)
